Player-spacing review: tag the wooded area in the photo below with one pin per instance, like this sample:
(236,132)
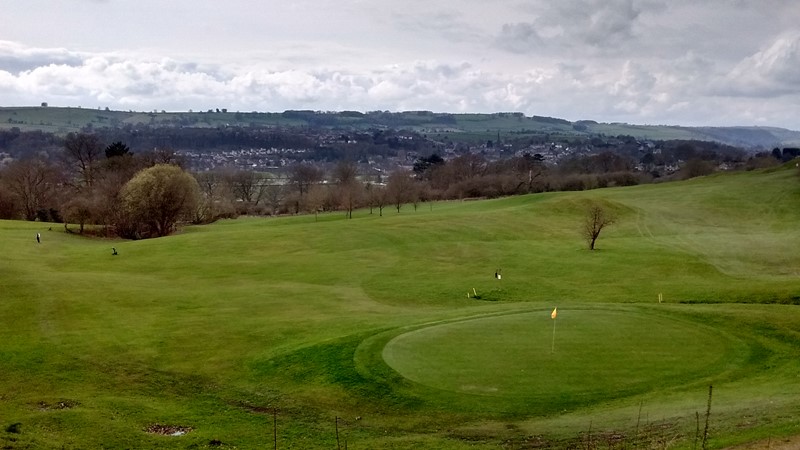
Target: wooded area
(84,179)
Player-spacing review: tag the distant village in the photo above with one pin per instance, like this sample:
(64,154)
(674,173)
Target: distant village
(379,144)
(277,159)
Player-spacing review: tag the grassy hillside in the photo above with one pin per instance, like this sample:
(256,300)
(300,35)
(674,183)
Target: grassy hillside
(373,320)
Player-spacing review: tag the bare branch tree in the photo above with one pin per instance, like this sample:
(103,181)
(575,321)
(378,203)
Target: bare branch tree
(595,220)
(82,153)
(348,189)
(399,187)
(376,197)
(274,196)
(314,200)
(246,186)
(34,183)
(302,177)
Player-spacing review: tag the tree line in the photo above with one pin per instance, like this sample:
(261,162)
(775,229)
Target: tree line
(134,195)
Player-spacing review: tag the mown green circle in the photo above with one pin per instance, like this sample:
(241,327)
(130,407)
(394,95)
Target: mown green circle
(595,354)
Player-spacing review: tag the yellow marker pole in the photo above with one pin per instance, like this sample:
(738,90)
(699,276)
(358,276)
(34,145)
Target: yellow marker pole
(553,316)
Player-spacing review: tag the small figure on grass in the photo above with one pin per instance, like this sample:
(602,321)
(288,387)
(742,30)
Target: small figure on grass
(38,238)
(114,251)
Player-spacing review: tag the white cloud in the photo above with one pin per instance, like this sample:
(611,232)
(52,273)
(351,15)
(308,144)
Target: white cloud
(633,91)
(15,57)
(771,72)
(640,61)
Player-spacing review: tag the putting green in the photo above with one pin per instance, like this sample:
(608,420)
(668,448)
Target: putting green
(599,354)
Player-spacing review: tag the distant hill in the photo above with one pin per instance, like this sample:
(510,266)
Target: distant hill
(60,120)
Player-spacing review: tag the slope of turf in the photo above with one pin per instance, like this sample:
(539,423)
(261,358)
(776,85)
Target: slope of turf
(215,328)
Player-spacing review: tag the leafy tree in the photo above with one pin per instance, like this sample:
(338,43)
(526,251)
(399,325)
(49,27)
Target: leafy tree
(595,220)
(685,151)
(117,149)
(423,165)
(789,153)
(156,199)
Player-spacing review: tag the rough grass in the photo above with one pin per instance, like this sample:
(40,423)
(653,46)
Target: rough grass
(215,328)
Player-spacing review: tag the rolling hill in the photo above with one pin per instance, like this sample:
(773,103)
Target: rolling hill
(62,120)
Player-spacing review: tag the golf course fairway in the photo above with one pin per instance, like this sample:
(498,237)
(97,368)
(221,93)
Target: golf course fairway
(391,331)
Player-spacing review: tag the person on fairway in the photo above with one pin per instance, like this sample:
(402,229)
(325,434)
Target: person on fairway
(38,238)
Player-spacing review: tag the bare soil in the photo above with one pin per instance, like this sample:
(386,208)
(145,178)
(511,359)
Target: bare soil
(791,443)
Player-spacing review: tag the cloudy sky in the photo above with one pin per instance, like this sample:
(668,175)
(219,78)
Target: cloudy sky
(686,62)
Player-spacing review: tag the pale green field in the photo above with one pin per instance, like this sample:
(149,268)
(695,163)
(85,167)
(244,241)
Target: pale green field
(368,320)
(460,127)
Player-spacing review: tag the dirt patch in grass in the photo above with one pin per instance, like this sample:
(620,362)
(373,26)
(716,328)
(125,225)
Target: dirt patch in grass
(168,430)
(57,405)
(653,436)
(256,409)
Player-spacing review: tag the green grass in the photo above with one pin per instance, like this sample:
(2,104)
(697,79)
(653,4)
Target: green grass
(369,318)
(520,360)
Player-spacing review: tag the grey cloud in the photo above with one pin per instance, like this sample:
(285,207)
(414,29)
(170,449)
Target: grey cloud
(435,70)
(771,72)
(449,25)
(611,24)
(601,25)
(519,38)
(15,58)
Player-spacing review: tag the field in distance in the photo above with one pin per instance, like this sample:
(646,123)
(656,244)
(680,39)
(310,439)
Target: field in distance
(458,127)
(394,332)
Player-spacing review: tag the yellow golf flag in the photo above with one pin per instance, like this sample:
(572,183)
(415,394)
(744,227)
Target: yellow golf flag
(554,313)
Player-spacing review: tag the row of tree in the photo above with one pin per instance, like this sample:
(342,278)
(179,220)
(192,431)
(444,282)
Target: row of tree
(91,183)
(347,186)
(146,194)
